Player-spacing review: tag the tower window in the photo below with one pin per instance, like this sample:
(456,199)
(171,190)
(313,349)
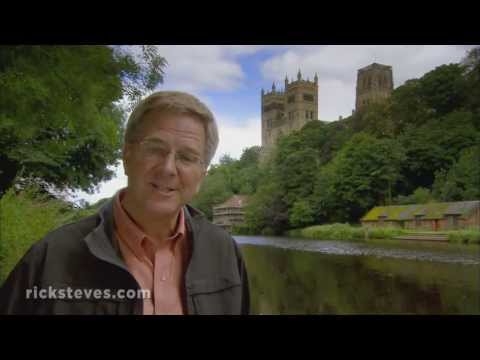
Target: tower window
(308,97)
(291,99)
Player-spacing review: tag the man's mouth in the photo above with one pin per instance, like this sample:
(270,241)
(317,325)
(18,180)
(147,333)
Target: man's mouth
(162,189)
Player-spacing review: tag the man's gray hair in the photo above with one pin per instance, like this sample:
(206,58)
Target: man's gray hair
(177,103)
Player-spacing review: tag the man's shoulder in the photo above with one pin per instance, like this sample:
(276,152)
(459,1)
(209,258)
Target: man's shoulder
(69,236)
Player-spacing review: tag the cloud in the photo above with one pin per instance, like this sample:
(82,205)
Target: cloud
(235,138)
(199,68)
(336,98)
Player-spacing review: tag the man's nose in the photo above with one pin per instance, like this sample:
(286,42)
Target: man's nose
(169,165)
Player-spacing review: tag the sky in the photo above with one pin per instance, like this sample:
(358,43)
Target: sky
(229,79)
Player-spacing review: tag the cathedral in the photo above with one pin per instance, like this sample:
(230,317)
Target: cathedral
(289,110)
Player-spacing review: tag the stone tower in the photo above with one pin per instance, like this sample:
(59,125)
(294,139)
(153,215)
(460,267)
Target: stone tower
(288,110)
(374,82)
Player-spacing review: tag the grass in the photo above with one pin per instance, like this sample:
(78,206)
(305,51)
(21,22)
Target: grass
(464,236)
(345,232)
(358,233)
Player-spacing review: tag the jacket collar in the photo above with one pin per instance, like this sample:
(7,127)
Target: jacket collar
(103,245)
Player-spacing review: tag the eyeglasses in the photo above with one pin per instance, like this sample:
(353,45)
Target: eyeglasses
(156,150)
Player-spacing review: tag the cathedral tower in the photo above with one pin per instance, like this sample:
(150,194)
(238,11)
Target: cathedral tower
(374,82)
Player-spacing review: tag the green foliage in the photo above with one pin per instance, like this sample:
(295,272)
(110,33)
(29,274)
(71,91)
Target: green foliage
(338,231)
(471,66)
(242,230)
(26,216)
(266,212)
(214,191)
(361,175)
(443,89)
(229,177)
(436,145)
(60,121)
(464,236)
(419,196)
(376,120)
(302,214)
(462,181)
(408,107)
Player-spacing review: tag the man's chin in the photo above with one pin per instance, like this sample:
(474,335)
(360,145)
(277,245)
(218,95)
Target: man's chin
(162,209)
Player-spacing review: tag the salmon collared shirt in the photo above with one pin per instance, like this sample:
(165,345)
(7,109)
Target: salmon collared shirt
(158,269)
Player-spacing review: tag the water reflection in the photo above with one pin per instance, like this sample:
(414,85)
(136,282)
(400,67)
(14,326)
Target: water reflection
(289,276)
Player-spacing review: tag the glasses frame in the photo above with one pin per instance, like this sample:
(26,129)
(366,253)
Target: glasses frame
(197,163)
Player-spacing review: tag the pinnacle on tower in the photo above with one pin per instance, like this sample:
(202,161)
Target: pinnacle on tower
(299,75)
(286,81)
(273,86)
(263,91)
(315,78)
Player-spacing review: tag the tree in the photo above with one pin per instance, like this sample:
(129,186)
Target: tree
(419,196)
(376,120)
(408,107)
(214,191)
(266,212)
(249,157)
(443,89)
(301,214)
(436,145)
(471,66)
(462,181)
(363,174)
(61,122)
(229,177)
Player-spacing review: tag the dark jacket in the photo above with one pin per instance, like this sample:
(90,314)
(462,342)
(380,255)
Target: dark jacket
(84,255)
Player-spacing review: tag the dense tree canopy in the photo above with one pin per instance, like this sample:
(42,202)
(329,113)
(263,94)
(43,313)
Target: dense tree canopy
(60,116)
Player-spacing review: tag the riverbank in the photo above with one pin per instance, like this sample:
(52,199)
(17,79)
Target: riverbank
(358,233)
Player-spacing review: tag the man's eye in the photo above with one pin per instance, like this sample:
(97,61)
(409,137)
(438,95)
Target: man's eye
(187,158)
(154,148)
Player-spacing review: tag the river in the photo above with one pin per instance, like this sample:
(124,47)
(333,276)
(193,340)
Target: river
(298,276)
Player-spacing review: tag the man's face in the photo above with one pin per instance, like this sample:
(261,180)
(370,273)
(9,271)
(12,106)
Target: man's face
(165,167)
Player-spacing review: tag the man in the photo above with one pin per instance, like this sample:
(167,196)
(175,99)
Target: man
(146,251)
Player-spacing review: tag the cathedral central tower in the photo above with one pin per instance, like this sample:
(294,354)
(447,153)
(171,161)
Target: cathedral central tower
(288,110)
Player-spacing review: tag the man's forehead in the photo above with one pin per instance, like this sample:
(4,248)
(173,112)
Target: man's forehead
(165,133)
(178,125)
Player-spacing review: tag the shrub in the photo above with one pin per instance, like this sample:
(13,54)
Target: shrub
(25,218)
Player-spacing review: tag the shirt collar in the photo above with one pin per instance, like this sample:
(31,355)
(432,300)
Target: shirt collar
(131,232)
